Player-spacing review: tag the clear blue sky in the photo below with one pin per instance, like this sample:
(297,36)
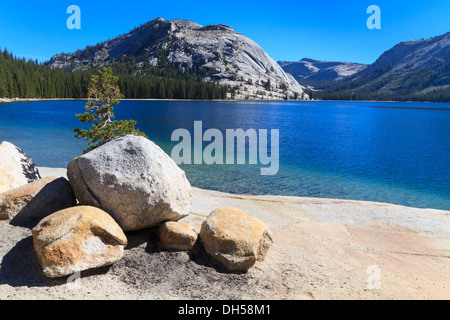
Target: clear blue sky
(287,30)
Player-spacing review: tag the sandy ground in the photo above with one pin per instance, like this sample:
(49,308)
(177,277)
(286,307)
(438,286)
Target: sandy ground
(323,249)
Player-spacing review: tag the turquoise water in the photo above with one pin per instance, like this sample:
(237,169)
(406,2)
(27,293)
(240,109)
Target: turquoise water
(394,152)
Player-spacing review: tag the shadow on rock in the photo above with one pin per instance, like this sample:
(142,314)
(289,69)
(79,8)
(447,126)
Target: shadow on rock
(20,267)
(54,196)
(139,237)
(199,256)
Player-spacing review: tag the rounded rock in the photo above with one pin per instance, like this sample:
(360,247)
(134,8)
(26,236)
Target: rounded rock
(177,235)
(77,239)
(235,238)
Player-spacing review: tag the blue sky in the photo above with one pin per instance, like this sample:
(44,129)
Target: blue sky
(287,30)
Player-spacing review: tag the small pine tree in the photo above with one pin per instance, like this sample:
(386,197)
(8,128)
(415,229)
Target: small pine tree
(104,94)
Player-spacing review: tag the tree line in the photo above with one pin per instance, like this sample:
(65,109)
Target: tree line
(29,79)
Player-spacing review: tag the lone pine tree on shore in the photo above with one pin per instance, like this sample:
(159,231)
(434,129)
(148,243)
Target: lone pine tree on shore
(104,94)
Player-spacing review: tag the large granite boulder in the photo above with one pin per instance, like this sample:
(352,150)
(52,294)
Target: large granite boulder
(28,204)
(77,239)
(235,238)
(133,180)
(16,168)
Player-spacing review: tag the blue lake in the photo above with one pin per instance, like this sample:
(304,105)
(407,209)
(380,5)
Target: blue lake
(395,152)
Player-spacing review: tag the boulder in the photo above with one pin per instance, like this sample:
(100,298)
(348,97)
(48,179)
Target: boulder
(235,239)
(177,235)
(28,204)
(16,169)
(77,239)
(133,180)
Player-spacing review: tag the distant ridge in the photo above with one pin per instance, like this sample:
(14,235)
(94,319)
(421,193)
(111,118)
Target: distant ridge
(310,69)
(411,70)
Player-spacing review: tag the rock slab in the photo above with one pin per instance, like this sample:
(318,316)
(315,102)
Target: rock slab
(133,180)
(235,239)
(32,202)
(177,235)
(16,168)
(77,239)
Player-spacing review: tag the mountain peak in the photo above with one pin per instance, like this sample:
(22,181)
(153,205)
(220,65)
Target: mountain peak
(414,55)
(217,51)
(309,60)
(185,23)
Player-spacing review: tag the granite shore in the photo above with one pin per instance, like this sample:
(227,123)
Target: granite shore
(323,249)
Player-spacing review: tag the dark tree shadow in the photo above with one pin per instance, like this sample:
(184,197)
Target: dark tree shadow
(29,169)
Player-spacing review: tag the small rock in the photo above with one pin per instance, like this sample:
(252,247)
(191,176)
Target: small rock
(77,239)
(235,238)
(30,203)
(133,180)
(177,235)
(16,169)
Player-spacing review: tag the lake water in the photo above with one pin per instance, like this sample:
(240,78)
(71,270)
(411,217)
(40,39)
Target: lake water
(393,152)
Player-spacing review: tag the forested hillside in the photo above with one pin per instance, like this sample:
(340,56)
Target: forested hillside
(29,79)
(426,84)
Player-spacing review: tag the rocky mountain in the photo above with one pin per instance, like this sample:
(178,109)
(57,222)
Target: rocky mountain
(417,70)
(314,70)
(408,57)
(218,52)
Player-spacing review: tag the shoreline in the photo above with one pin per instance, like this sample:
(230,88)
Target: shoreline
(423,227)
(48,171)
(9,100)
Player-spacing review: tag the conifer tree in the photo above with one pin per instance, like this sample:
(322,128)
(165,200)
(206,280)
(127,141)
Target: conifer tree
(104,94)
